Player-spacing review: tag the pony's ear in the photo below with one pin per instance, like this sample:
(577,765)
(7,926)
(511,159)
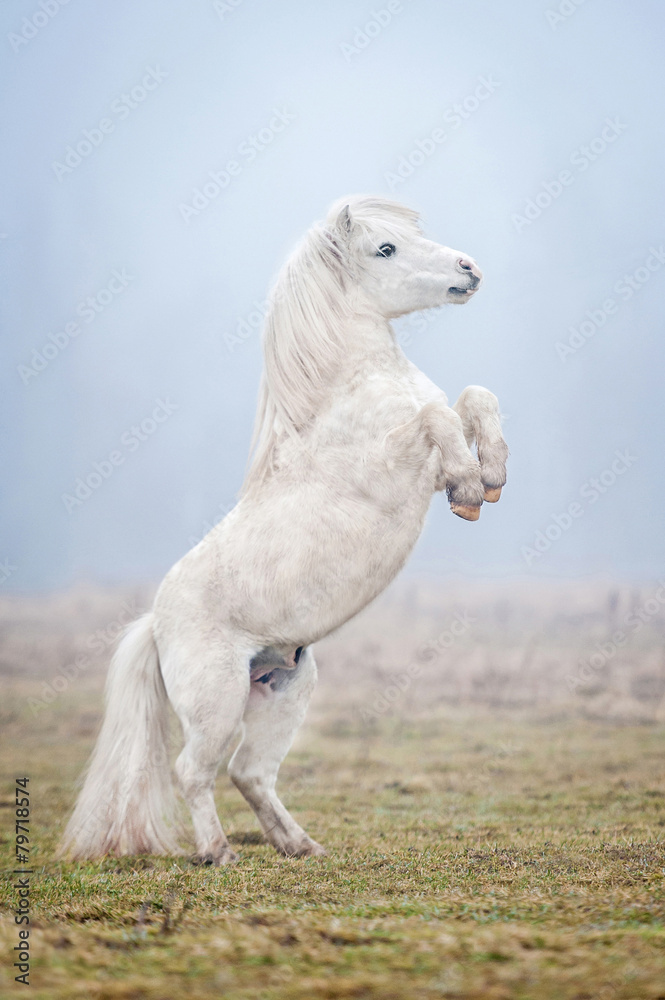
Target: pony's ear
(344,223)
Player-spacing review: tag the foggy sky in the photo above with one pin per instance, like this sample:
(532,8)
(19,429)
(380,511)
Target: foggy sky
(546,165)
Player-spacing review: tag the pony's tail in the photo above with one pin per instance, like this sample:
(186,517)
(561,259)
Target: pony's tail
(126,805)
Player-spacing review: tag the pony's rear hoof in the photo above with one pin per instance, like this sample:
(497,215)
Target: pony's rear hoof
(308,849)
(312,850)
(227,857)
(468,513)
(491,496)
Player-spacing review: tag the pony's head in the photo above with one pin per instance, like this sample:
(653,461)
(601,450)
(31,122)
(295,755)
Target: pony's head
(369,260)
(390,266)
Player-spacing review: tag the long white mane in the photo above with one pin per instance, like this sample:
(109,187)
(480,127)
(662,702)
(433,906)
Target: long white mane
(310,306)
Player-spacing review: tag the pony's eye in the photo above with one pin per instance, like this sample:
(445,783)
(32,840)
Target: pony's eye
(386,250)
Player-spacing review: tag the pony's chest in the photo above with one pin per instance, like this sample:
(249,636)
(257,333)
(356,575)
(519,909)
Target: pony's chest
(362,415)
(356,438)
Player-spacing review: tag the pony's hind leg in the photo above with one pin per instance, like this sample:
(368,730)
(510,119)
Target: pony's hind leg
(275,709)
(481,422)
(207,686)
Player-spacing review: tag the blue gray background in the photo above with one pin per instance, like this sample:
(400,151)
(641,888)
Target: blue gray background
(361,95)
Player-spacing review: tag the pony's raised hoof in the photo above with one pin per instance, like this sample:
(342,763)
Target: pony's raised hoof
(468,513)
(227,857)
(491,496)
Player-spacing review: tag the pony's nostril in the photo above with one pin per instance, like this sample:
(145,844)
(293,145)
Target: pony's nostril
(465,264)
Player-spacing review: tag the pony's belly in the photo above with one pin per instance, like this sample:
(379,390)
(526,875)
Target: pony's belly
(297,564)
(334,563)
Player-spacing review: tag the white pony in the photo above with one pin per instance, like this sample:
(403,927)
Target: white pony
(351,441)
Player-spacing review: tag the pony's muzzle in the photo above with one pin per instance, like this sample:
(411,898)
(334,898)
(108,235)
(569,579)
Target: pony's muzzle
(471,270)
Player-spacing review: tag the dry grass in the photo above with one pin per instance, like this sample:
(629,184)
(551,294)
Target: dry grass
(495,830)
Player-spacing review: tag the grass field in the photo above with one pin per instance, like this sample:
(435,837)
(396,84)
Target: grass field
(491,795)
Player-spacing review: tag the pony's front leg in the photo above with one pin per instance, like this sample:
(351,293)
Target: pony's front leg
(458,472)
(478,409)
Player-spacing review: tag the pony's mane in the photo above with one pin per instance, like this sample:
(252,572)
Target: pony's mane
(309,305)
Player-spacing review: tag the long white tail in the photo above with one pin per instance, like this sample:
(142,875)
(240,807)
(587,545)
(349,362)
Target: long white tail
(127,802)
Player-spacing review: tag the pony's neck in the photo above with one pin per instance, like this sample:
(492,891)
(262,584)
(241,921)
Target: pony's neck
(367,341)
(366,337)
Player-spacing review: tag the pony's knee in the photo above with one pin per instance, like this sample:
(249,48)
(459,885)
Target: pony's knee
(197,765)
(192,778)
(442,424)
(250,782)
(241,778)
(478,398)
